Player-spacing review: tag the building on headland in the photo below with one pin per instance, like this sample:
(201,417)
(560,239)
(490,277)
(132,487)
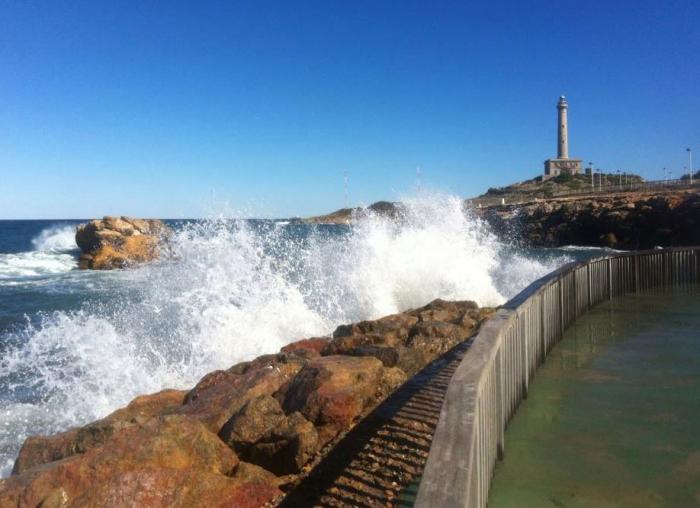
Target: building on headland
(562,164)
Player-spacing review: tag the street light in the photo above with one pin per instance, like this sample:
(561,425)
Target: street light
(666,176)
(590,167)
(690,163)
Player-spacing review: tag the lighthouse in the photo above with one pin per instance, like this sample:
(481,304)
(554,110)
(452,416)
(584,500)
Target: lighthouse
(562,164)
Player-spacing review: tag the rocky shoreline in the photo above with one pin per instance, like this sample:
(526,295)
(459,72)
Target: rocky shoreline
(622,220)
(630,220)
(242,436)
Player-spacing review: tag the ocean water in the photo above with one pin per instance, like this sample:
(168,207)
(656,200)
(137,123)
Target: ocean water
(75,345)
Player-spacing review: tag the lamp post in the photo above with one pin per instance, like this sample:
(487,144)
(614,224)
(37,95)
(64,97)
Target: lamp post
(590,166)
(666,176)
(690,163)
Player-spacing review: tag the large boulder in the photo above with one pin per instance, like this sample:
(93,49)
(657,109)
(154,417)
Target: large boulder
(412,339)
(332,392)
(38,450)
(118,242)
(222,394)
(165,461)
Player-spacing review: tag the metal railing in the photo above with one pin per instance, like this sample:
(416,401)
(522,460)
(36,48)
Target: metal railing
(494,375)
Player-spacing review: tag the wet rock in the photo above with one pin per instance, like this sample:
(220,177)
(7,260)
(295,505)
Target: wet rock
(42,449)
(119,242)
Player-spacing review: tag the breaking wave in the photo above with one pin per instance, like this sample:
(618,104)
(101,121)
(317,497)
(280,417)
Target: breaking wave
(54,252)
(235,289)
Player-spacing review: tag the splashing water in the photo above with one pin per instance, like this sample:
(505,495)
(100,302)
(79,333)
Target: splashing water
(233,290)
(56,239)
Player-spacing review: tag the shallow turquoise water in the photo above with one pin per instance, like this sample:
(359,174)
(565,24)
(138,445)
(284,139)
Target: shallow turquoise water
(613,416)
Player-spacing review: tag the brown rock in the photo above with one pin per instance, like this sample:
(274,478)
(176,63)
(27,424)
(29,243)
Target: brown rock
(221,394)
(333,391)
(393,329)
(312,347)
(42,449)
(170,443)
(176,488)
(119,242)
(442,310)
(287,447)
(257,418)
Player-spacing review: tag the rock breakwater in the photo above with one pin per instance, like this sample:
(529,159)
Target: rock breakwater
(243,435)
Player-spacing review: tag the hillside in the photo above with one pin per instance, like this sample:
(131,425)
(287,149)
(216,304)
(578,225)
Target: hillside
(558,185)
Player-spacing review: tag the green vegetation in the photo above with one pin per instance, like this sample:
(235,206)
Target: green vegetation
(561,184)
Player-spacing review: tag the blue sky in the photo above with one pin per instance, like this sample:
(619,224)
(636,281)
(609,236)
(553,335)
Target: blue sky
(170,109)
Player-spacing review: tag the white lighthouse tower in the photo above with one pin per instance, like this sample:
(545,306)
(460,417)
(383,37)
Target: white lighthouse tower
(562,164)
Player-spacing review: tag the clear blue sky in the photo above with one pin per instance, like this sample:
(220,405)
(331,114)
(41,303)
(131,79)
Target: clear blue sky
(170,109)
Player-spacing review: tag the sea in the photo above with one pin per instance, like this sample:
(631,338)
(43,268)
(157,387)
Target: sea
(77,344)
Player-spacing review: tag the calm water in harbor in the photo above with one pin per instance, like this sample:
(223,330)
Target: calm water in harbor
(613,416)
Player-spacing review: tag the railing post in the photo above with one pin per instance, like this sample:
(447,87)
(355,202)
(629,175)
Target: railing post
(609,263)
(543,340)
(636,273)
(575,298)
(588,276)
(524,328)
(500,405)
(561,306)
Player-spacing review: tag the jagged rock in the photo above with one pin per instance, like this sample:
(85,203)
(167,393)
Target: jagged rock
(634,220)
(287,446)
(253,421)
(157,449)
(118,242)
(221,394)
(310,347)
(43,449)
(409,340)
(332,391)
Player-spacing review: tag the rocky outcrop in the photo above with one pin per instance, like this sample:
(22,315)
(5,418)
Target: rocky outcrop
(349,215)
(118,242)
(243,433)
(624,221)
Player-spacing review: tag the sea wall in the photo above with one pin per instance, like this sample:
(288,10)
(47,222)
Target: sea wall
(624,221)
(244,435)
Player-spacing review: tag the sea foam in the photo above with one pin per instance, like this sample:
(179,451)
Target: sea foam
(234,289)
